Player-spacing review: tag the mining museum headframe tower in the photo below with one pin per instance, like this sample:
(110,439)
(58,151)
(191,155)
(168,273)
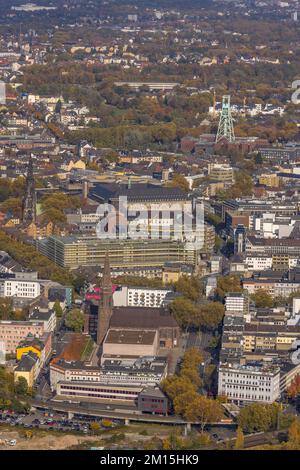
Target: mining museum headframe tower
(225,129)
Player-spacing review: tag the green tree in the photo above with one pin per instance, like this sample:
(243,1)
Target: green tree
(258,159)
(60,201)
(53,215)
(27,255)
(218,243)
(57,309)
(254,418)
(75,320)
(78,282)
(58,107)
(21,386)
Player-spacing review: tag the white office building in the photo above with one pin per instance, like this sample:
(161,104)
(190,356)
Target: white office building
(259,263)
(21,288)
(140,297)
(243,384)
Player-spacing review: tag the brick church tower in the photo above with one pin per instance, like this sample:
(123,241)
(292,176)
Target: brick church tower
(105,303)
(29,200)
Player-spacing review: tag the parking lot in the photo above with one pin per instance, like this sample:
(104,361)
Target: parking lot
(50,421)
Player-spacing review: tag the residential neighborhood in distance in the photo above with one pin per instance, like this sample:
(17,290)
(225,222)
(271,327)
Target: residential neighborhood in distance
(150,226)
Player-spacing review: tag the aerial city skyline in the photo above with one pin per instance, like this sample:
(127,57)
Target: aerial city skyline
(150,228)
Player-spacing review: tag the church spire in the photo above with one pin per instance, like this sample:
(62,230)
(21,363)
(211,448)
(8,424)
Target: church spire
(29,200)
(105,303)
(106,277)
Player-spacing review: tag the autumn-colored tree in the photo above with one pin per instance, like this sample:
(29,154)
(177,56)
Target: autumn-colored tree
(175,385)
(179,182)
(192,358)
(239,442)
(254,418)
(173,442)
(262,298)
(167,444)
(187,382)
(189,286)
(12,205)
(210,315)
(17,187)
(243,186)
(182,401)
(95,426)
(294,433)
(294,388)
(203,410)
(106,423)
(7,311)
(29,256)
(187,313)
(225,284)
(191,374)
(222,399)
(60,201)
(184,311)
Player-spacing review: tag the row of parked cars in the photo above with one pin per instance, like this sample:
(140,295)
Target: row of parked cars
(59,425)
(13,419)
(49,421)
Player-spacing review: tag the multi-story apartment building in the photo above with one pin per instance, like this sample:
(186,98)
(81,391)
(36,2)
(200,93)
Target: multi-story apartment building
(42,347)
(279,153)
(262,262)
(140,296)
(254,207)
(273,246)
(268,337)
(48,317)
(274,287)
(232,338)
(12,332)
(244,384)
(236,302)
(269,179)
(209,239)
(221,172)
